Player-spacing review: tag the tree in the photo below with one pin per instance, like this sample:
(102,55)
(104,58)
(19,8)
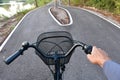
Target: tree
(68,2)
(36,3)
(55,3)
(117,7)
(1,1)
(29,1)
(109,5)
(5,1)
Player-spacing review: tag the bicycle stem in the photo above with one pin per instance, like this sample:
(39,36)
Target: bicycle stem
(57,68)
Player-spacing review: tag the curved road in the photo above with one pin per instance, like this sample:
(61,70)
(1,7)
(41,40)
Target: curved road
(86,27)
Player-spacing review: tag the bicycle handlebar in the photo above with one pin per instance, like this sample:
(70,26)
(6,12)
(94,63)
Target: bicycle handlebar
(14,56)
(25,46)
(87,49)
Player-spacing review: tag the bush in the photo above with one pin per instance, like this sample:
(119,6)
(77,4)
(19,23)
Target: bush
(109,5)
(117,8)
(43,2)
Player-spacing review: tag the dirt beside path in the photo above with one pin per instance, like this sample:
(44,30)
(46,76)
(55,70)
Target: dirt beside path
(115,17)
(6,26)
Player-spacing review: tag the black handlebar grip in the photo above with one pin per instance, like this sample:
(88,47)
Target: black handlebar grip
(88,49)
(13,56)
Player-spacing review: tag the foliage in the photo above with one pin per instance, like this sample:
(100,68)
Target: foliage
(117,9)
(76,2)
(39,2)
(1,1)
(5,1)
(108,5)
(30,1)
(3,17)
(20,14)
(5,6)
(43,2)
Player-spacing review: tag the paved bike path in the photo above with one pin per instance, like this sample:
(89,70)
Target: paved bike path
(86,27)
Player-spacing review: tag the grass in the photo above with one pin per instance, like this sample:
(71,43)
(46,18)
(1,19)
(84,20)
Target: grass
(43,2)
(11,25)
(20,14)
(11,28)
(5,6)
(2,17)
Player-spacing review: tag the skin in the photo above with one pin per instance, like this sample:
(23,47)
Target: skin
(98,56)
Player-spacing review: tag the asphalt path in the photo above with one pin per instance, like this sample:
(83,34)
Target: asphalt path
(86,27)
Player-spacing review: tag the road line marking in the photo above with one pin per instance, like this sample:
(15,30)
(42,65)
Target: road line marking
(3,44)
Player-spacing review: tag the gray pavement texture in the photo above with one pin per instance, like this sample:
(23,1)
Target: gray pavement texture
(87,28)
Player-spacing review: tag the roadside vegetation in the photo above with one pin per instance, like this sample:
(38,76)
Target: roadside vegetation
(109,8)
(38,3)
(7,24)
(112,6)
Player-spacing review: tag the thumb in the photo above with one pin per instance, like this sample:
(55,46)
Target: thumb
(91,59)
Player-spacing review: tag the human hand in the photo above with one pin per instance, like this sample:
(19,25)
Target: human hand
(98,56)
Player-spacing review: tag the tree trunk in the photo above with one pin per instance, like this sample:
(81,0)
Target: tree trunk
(55,3)
(36,4)
(60,2)
(69,2)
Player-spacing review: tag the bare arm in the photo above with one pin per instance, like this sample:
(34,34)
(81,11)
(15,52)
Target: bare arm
(100,57)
